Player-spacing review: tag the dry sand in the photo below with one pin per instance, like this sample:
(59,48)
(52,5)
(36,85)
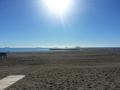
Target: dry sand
(64,70)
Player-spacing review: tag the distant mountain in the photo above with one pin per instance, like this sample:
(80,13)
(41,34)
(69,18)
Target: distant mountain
(76,48)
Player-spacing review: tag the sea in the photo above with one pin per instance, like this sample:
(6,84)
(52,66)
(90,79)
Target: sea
(24,50)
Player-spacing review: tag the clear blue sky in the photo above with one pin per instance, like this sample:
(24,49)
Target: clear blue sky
(94,23)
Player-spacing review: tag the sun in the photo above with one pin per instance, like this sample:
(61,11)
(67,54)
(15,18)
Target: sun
(59,7)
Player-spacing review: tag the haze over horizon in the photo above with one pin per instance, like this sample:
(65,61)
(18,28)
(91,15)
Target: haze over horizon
(86,23)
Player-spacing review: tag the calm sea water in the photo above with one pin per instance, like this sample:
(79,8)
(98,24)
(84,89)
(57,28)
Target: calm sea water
(24,49)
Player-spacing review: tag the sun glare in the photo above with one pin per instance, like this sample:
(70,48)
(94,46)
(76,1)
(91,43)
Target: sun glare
(59,7)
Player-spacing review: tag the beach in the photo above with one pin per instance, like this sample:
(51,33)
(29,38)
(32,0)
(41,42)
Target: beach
(64,70)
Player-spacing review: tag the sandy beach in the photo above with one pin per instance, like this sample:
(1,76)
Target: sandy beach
(65,70)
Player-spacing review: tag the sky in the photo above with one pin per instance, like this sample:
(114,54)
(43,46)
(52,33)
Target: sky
(89,23)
